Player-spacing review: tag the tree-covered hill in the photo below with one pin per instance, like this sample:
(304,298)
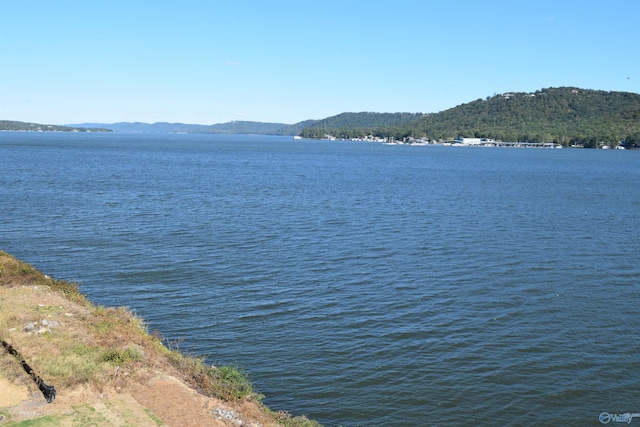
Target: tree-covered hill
(37,127)
(357,124)
(563,115)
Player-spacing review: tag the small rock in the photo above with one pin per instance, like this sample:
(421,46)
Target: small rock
(232,416)
(29,327)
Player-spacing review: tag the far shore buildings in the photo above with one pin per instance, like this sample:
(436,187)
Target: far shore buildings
(485,142)
(473,141)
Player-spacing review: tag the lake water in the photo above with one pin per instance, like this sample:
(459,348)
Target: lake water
(357,283)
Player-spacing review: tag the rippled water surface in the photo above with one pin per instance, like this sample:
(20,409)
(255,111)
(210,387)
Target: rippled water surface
(360,284)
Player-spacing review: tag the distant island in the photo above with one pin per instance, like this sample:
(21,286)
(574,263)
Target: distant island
(564,116)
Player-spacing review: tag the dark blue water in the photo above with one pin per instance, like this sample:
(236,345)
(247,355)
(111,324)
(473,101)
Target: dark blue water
(357,283)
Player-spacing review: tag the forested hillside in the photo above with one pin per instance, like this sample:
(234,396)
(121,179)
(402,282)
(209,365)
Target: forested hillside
(562,115)
(357,124)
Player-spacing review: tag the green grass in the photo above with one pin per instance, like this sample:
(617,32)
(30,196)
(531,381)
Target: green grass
(233,383)
(225,382)
(118,356)
(86,416)
(48,421)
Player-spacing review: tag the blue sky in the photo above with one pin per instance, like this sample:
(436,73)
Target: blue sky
(210,61)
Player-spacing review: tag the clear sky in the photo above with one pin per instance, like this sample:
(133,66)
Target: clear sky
(214,61)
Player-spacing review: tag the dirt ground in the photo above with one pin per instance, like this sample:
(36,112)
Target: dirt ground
(162,401)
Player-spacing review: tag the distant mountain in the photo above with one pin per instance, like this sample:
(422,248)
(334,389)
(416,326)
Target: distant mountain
(37,127)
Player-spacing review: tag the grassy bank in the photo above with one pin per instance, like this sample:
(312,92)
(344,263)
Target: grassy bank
(106,368)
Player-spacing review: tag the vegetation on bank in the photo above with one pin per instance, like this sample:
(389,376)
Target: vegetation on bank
(9,125)
(98,341)
(566,116)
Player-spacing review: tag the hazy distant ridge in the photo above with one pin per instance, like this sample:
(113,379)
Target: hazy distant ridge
(159,127)
(235,127)
(37,127)
(245,127)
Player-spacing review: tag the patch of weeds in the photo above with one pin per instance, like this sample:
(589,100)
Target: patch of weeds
(225,382)
(118,356)
(69,290)
(72,370)
(47,421)
(24,269)
(86,416)
(107,319)
(233,383)
(154,417)
(301,421)
(158,344)
(286,420)
(81,349)
(116,323)
(78,363)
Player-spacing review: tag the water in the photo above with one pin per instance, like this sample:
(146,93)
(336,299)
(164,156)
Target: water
(357,283)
